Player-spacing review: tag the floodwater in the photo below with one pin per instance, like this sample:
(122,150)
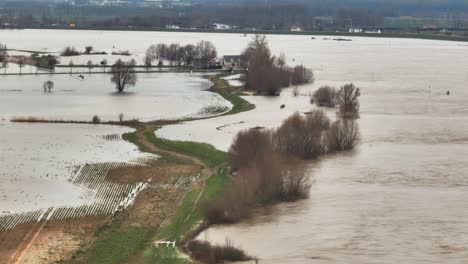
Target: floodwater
(399,197)
(38,161)
(156,96)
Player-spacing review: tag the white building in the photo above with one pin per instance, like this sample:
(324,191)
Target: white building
(296,29)
(355,30)
(172,26)
(221,26)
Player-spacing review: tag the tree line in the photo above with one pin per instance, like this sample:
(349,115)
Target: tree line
(199,54)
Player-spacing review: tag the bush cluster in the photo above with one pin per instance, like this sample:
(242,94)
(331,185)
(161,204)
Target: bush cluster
(213,254)
(268,74)
(265,163)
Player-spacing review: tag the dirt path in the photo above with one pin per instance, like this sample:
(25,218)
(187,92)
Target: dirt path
(206,172)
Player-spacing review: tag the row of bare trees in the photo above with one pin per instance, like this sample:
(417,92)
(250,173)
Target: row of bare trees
(199,54)
(268,74)
(266,163)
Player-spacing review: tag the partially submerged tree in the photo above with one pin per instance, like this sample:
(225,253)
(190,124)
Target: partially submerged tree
(48,86)
(123,74)
(347,99)
(325,96)
(3,52)
(104,64)
(301,75)
(90,65)
(343,135)
(302,135)
(21,62)
(268,74)
(71,64)
(4,65)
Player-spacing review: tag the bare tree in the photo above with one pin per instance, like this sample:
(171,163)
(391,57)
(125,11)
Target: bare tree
(104,64)
(147,61)
(301,75)
(90,65)
(88,49)
(47,86)
(21,63)
(347,99)
(70,64)
(37,63)
(123,74)
(189,53)
(206,52)
(157,52)
(3,52)
(4,65)
(173,54)
(343,135)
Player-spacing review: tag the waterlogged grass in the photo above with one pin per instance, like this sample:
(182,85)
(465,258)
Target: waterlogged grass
(208,154)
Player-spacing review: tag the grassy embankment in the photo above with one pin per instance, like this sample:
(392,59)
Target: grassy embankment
(117,244)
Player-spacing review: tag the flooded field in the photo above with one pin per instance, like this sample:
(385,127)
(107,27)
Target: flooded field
(39,162)
(400,196)
(156,96)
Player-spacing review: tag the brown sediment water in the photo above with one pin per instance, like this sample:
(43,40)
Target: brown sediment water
(399,197)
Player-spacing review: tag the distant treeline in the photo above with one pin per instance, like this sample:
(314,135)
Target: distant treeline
(264,15)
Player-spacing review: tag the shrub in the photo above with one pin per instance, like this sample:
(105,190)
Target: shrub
(343,135)
(266,180)
(302,136)
(301,75)
(347,99)
(325,96)
(296,185)
(69,51)
(247,146)
(96,119)
(207,253)
(88,49)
